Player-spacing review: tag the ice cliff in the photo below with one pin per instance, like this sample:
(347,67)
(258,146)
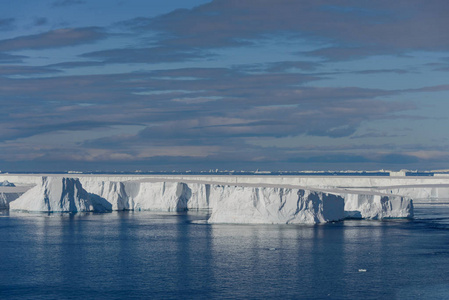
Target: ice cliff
(228,203)
(5,198)
(134,195)
(372,206)
(274,205)
(56,194)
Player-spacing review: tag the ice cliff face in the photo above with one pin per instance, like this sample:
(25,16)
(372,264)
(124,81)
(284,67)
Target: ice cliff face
(228,203)
(371,206)
(273,205)
(59,195)
(134,195)
(5,198)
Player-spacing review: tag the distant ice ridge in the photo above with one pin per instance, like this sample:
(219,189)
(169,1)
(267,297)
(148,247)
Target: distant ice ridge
(228,203)
(6,183)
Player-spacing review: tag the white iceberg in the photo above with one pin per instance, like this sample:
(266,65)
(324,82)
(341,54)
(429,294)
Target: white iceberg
(255,202)
(56,194)
(377,206)
(236,204)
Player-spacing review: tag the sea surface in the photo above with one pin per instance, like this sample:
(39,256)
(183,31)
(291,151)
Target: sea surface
(148,255)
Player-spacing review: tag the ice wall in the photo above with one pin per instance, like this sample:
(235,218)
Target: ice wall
(375,206)
(235,204)
(229,203)
(135,195)
(56,194)
(5,198)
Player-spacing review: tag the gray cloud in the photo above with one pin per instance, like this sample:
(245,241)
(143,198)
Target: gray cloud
(354,28)
(208,116)
(10,58)
(40,21)
(190,106)
(64,3)
(53,39)
(77,64)
(396,71)
(25,70)
(7,24)
(348,53)
(147,55)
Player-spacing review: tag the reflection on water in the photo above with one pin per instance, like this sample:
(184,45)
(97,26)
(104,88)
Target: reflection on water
(159,255)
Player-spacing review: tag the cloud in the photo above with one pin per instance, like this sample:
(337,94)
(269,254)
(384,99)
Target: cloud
(381,159)
(241,105)
(54,39)
(348,53)
(76,64)
(350,29)
(11,58)
(147,55)
(64,3)
(25,70)
(40,21)
(7,24)
(283,66)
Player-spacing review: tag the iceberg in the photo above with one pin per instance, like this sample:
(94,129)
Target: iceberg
(7,183)
(274,205)
(376,206)
(56,194)
(231,199)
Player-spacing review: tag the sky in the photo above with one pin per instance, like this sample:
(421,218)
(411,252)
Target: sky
(114,85)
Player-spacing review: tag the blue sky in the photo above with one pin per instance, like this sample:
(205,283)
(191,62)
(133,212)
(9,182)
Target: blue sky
(244,85)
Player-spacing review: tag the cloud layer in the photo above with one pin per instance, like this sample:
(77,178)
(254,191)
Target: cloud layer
(226,84)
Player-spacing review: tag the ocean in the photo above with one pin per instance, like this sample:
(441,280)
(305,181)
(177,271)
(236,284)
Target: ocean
(150,255)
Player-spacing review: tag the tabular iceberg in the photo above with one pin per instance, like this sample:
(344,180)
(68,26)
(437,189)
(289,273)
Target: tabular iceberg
(229,203)
(274,205)
(59,195)
(372,206)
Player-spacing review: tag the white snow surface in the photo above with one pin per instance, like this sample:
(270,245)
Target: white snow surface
(231,199)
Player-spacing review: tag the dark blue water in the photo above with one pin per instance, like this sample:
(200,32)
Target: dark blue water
(145,255)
